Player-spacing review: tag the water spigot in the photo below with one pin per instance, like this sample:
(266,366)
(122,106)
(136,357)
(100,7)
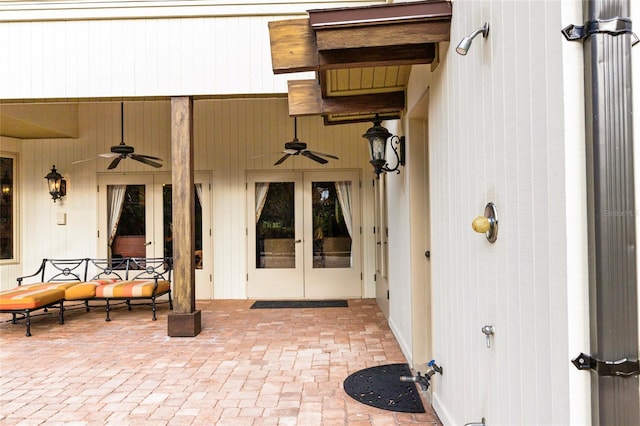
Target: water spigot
(434,368)
(424,381)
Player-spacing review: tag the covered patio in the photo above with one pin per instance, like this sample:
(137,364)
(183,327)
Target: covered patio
(246,367)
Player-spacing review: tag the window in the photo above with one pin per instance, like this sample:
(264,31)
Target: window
(8,208)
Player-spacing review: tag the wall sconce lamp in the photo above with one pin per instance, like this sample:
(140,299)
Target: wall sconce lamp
(6,185)
(465,44)
(57,184)
(377,137)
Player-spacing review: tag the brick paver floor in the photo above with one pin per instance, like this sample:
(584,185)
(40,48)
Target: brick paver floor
(246,367)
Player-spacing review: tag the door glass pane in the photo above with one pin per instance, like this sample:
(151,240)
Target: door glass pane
(275,225)
(127,225)
(331,213)
(167,219)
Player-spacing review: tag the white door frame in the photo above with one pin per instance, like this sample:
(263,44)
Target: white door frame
(153,215)
(304,281)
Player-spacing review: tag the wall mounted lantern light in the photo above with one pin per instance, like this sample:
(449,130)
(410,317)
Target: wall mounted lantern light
(57,184)
(6,185)
(377,137)
(465,44)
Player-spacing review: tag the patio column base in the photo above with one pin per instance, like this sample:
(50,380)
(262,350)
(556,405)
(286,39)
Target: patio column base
(184,325)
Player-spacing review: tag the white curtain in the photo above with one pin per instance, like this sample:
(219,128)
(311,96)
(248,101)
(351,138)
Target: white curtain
(115,201)
(199,192)
(343,190)
(262,188)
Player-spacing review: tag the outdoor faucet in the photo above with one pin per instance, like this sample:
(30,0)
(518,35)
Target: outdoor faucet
(424,381)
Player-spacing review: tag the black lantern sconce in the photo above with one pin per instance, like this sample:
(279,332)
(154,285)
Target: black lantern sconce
(377,137)
(6,185)
(57,184)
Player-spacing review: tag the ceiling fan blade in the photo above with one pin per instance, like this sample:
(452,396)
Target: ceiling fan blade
(107,155)
(314,157)
(324,155)
(114,163)
(143,159)
(86,159)
(282,159)
(148,157)
(255,157)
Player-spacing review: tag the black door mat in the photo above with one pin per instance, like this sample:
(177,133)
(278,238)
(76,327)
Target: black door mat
(381,387)
(278,304)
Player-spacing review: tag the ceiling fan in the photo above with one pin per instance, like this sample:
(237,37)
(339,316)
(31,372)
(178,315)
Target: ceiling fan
(295,147)
(123,151)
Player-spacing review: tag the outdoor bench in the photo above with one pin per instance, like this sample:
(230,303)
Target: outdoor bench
(60,280)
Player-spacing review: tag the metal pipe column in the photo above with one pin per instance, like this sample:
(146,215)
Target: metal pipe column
(612,211)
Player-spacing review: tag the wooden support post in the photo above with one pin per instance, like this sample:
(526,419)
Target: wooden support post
(184,321)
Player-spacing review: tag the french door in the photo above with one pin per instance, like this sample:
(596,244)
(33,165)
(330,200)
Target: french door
(304,235)
(135,216)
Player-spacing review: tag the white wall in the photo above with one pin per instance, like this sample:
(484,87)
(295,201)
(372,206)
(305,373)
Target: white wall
(137,57)
(81,49)
(506,127)
(227,133)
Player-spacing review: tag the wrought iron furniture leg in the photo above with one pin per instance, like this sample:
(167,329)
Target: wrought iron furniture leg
(108,309)
(27,314)
(61,316)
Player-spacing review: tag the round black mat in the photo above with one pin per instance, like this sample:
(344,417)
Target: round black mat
(381,387)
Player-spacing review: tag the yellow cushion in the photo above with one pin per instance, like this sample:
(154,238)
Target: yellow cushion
(131,289)
(25,298)
(50,285)
(87,290)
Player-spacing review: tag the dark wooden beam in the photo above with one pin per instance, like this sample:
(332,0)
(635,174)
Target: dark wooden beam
(305,98)
(184,321)
(391,102)
(293,46)
(377,56)
(392,34)
(383,35)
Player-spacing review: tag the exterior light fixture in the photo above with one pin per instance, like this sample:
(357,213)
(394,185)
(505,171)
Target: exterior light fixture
(6,185)
(465,44)
(377,137)
(57,185)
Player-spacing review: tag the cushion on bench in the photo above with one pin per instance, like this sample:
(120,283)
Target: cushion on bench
(131,289)
(49,285)
(86,290)
(25,298)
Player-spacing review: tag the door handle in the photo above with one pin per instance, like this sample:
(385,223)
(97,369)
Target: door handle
(148,243)
(297,241)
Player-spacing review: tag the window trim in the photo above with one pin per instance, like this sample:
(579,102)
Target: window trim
(15,187)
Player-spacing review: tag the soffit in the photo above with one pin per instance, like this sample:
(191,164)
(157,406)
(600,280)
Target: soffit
(39,121)
(362,56)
